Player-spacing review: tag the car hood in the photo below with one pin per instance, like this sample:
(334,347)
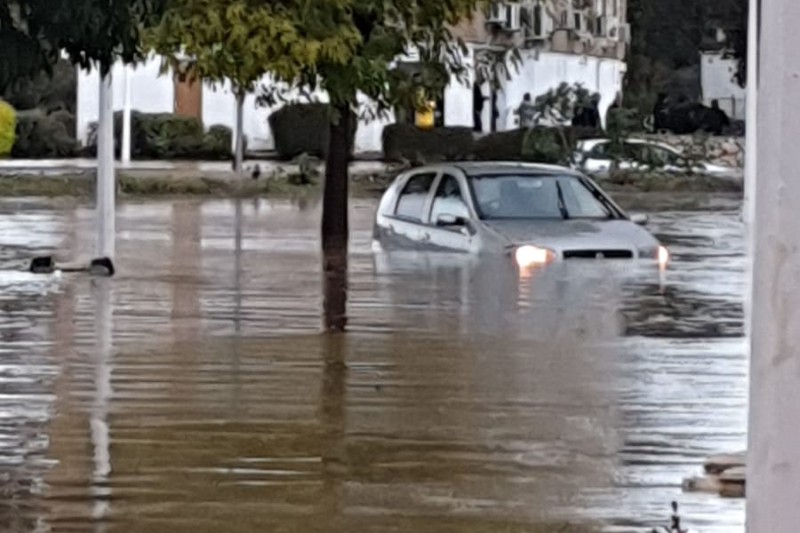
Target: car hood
(560,235)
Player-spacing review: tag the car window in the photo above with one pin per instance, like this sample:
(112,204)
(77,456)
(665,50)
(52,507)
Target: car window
(600,151)
(411,204)
(635,152)
(530,196)
(449,199)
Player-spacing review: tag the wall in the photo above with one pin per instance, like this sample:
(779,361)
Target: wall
(541,72)
(155,93)
(716,79)
(151,92)
(537,74)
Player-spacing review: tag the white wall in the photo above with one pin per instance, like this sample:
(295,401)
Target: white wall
(151,93)
(538,73)
(717,82)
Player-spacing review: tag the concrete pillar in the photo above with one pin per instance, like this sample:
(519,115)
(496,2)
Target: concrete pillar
(773,477)
(751,149)
(106,183)
(126,118)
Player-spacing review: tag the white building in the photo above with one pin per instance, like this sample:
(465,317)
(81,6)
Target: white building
(718,82)
(559,41)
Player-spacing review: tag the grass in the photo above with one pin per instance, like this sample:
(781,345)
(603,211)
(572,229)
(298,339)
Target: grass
(287,185)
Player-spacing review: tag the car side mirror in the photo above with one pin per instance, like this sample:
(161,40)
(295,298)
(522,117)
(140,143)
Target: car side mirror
(450,221)
(640,219)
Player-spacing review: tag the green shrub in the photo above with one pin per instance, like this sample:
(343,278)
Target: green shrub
(303,129)
(166,136)
(40,135)
(501,146)
(407,142)
(540,145)
(8,126)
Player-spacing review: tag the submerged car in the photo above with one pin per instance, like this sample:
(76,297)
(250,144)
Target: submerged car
(594,156)
(535,213)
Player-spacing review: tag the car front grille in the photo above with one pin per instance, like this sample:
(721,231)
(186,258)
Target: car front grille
(598,254)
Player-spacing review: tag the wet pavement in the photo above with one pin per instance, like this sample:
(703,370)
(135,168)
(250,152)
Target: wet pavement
(194,392)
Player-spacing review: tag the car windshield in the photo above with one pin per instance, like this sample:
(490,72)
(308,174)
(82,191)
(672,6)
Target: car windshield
(532,196)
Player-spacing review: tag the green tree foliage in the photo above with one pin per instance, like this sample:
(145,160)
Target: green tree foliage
(241,40)
(668,35)
(34,33)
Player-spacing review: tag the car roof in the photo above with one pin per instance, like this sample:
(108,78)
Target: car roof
(487,168)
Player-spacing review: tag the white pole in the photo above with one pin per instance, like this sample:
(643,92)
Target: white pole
(773,475)
(751,149)
(106,184)
(126,119)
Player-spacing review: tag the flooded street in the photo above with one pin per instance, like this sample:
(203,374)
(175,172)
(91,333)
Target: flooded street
(194,391)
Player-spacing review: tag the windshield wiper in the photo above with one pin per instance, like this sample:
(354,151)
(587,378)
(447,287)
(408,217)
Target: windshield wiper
(562,206)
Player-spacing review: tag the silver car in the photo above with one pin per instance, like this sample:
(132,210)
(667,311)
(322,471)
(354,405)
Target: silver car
(535,213)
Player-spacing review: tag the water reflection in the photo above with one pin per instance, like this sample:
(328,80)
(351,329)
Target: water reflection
(99,417)
(462,398)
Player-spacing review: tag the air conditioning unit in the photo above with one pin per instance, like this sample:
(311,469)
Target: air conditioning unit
(497,14)
(513,16)
(607,26)
(505,15)
(537,23)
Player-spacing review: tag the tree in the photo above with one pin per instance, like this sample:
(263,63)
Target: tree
(34,33)
(668,36)
(374,35)
(237,41)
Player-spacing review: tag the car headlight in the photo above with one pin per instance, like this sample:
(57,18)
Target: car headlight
(659,254)
(662,257)
(530,256)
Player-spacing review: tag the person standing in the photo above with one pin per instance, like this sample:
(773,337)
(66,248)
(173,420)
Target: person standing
(527,112)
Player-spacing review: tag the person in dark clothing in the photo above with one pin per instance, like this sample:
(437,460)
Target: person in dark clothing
(588,116)
(715,120)
(659,113)
(478,100)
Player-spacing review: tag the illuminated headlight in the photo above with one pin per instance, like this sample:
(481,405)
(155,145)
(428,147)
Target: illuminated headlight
(662,257)
(529,256)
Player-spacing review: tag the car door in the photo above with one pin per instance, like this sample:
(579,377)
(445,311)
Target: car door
(452,224)
(408,224)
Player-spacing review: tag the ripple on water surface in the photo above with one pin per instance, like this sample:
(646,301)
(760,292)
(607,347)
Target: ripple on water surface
(194,392)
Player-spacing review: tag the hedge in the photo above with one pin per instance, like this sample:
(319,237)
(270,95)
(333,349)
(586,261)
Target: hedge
(304,129)
(408,142)
(39,135)
(166,136)
(541,145)
(8,126)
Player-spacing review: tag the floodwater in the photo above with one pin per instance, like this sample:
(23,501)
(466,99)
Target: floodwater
(195,392)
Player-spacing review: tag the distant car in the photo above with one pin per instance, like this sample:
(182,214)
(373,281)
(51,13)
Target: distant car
(594,157)
(534,213)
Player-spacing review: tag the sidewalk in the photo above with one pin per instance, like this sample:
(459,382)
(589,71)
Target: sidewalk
(216,169)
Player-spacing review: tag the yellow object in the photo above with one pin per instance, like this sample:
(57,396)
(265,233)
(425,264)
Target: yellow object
(426,116)
(8,125)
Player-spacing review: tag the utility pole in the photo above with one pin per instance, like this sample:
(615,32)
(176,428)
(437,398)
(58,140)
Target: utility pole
(773,475)
(106,183)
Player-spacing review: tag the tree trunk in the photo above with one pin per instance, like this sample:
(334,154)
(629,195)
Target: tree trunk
(335,226)
(238,157)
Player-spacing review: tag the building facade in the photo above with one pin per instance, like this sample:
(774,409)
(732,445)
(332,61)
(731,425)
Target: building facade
(574,41)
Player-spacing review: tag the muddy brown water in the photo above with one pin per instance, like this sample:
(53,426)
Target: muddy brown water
(195,392)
